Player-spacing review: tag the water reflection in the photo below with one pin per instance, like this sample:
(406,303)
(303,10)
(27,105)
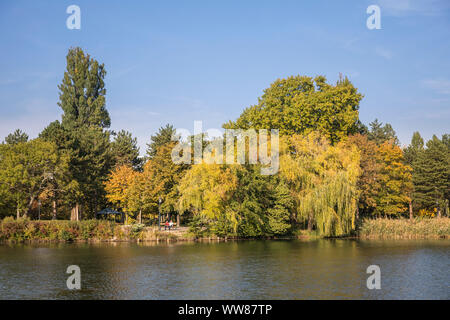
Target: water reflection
(322,269)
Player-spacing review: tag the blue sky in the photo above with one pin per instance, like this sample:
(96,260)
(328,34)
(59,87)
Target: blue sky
(180,61)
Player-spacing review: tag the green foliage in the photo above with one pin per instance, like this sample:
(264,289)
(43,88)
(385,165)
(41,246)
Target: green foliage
(262,204)
(431,175)
(137,228)
(279,214)
(325,174)
(300,105)
(162,137)
(235,202)
(412,151)
(200,226)
(90,165)
(17,136)
(82,100)
(166,176)
(27,169)
(24,229)
(125,151)
(82,92)
(380,134)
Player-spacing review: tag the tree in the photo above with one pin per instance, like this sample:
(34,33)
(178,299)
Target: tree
(90,166)
(118,185)
(412,151)
(380,134)
(411,154)
(27,169)
(162,137)
(262,203)
(64,187)
(206,191)
(395,180)
(82,99)
(133,192)
(166,176)
(432,175)
(16,137)
(124,150)
(369,181)
(323,182)
(300,105)
(82,92)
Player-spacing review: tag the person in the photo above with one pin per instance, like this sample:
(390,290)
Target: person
(170,225)
(166,225)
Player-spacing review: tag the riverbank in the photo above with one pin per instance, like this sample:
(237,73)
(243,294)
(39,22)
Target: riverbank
(435,228)
(24,230)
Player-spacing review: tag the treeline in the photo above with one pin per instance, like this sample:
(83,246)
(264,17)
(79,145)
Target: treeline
(334,170)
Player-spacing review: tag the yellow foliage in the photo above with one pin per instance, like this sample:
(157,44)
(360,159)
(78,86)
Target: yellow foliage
(322,179)
(118,185)
(425,213)
(205,189)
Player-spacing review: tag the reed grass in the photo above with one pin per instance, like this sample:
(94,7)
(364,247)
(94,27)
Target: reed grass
(419,228)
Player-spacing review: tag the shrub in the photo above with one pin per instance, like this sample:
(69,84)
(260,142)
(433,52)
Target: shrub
(136,230)
(24,229)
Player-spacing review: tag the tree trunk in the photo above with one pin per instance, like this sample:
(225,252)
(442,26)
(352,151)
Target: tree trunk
(74,216)
(30,205)
(140,216)
(439,212)
(54,210)
(309,223)
(178,220)
(18,212)
(410,210)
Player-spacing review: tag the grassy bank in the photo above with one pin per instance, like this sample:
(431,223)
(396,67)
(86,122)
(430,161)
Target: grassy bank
(22,230)
(405,229)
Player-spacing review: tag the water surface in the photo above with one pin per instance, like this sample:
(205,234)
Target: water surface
(321,269)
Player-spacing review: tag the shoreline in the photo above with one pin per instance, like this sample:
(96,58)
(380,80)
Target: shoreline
(98,231)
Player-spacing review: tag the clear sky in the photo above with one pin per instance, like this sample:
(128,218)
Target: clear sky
(180,61)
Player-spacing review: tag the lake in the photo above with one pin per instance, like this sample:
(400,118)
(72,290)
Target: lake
(276,269)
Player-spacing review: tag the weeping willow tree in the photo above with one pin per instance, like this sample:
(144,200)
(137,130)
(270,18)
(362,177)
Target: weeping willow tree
(322,179)
(206,190)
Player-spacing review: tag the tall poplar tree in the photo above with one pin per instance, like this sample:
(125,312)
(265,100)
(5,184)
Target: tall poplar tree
(85,118)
